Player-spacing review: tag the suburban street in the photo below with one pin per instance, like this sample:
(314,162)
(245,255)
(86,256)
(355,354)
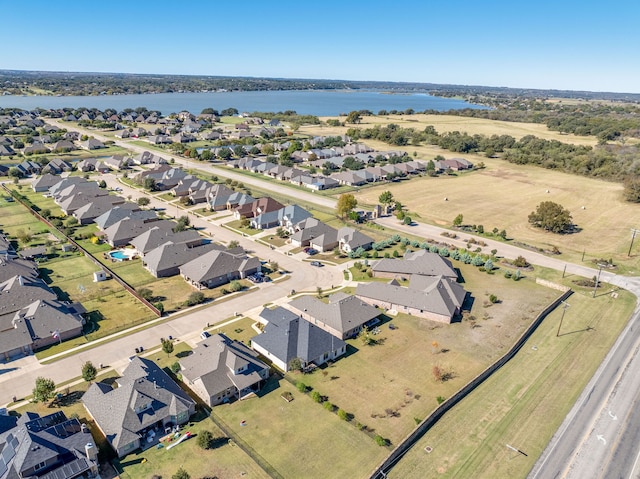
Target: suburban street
(599,438)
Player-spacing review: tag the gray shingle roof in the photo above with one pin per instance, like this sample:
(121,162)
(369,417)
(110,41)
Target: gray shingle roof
(419,262)
(142,383)
(169,255)
(287,336)
(433,294)
(343,314)
(214,264)
(213,362)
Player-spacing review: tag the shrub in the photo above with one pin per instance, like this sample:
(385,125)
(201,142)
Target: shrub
(316,397)
(204,439)
(342,414)
(440,399)
(89,371)
(302,387)
(507,274)
(520,262)
(493,298)
(175,367)
(380,441)
(328,406)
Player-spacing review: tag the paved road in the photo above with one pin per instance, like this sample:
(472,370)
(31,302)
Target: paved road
(600,437)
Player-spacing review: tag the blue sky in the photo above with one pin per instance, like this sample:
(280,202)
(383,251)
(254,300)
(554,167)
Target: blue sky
(564,44)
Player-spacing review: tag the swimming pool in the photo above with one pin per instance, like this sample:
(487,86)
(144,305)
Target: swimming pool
(121,255)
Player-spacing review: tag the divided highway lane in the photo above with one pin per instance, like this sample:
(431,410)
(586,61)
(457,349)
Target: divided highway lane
(599,438)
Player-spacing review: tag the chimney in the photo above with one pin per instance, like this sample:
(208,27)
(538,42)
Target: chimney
(91,452)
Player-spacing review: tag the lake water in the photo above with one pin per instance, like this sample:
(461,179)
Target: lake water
(314,102)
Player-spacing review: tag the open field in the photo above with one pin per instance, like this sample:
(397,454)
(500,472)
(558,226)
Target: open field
(525,401)
(473,126)
(387,385)
(300,438)
(502,196)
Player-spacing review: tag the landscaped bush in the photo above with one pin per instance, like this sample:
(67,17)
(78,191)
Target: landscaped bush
(204,439)
(316,396)
(380,441)
(342,414)
(302,387)
(328,406)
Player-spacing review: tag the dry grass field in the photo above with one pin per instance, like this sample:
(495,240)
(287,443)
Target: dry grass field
(525,401)
(502,195)
(389,384)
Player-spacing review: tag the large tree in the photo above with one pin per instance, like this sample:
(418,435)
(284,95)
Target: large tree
(632,189)
(551,217)
(354,117)
(346,203)
(89,371)
(386,197)
(44,390)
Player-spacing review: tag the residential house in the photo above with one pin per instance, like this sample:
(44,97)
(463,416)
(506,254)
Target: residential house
(147,157)
(137,412)
(88,212)
(286,336)
(257,207)
(220,370)
(350,178)
(47,447)
(57,166)
(63,146)
(123,231)
(343,317)
(166,259)
(35,149)
(216,268)
(155,237)
(116,162)
(433,297)
(237,199)
(350,239)
(31,317)
(28,167)
(284,217)
(218,196)
(315,234)
(6,150)
(421,262)
(92,144)
(44,182)
(126,210)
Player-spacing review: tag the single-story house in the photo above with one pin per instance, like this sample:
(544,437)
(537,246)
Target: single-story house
(350,239)
(216,268)
(286,336)
(432,297)
(344,316)
(220,370)
(421,262)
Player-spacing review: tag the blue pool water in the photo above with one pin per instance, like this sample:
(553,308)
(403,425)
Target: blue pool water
(119,255)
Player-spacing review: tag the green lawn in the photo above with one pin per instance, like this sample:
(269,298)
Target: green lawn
(300,438)
(235,224)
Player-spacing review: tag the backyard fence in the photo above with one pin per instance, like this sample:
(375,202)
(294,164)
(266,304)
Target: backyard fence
(117,278)
(382,470)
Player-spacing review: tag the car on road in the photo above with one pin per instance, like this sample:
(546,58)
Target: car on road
(317,264)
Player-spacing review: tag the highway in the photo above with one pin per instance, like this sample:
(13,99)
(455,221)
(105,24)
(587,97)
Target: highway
(599,438)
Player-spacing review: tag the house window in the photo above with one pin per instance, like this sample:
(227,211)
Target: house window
(37,467)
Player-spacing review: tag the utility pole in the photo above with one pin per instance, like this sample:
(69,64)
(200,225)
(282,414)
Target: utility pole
(600,266)
(565,306)
(633,236)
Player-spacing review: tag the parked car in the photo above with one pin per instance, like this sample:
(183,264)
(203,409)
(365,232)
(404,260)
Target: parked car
(311,251)
(317,264)
(205,335)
